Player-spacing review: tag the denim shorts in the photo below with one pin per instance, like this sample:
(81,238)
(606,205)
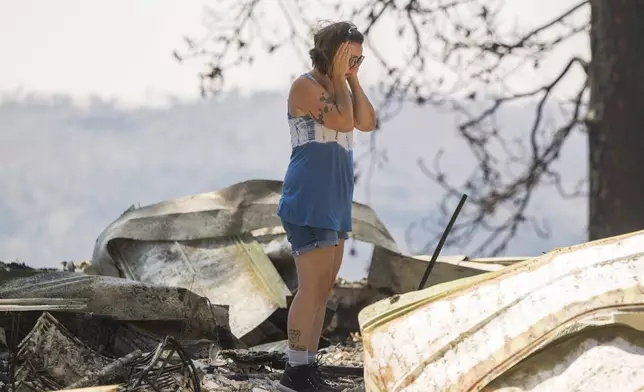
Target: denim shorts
(307,238)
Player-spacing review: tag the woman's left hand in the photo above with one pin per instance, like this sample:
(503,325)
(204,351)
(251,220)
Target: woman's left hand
(353,75)
(353,72)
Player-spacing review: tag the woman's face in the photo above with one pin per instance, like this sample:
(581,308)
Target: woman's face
(356,58)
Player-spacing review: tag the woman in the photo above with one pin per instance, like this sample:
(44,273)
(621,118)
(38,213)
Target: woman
(324,107)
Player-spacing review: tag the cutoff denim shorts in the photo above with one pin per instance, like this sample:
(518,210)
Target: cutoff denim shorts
(306,238)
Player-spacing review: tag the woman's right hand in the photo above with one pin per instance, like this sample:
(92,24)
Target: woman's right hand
(341,60)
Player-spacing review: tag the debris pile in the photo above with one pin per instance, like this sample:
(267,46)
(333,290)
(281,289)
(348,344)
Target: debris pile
(53,344)
(192,295)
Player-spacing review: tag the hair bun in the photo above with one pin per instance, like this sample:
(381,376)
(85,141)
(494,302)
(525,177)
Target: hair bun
(317,56)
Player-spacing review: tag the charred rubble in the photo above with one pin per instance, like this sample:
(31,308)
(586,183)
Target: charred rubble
(191,294)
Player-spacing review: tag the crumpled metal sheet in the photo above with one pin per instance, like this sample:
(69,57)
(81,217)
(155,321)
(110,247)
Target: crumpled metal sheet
(122,299)
(240,208)
(398,274)
(207,243)
(231,271)
(462,335)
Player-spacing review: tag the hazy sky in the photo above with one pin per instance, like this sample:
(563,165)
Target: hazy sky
(82,137)
(123,48)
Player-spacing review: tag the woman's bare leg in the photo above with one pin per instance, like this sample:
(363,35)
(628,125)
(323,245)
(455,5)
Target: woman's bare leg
(314,270)
(321,312)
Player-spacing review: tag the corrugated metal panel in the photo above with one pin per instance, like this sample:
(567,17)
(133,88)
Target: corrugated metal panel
(120,298)
(463,334)
(230,271)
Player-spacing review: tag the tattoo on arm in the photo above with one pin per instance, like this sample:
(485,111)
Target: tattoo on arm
(294,340)
(329,102)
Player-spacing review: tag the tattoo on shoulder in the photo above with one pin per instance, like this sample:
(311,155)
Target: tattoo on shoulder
(328,105)
(327,99)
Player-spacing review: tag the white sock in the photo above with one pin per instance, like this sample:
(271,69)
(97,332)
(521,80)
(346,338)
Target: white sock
(297,357)
(311,356)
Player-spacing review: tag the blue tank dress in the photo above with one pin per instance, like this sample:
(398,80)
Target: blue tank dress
(318,185)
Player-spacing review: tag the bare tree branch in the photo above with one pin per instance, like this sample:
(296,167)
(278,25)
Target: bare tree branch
(488,193)
(454,56)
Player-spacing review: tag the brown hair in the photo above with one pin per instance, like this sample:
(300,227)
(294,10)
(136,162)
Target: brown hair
(327,40)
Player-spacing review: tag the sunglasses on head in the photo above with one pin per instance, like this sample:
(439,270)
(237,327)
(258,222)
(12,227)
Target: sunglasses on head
(355,60)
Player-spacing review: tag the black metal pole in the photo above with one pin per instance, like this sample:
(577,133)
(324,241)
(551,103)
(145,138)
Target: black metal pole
(442,242)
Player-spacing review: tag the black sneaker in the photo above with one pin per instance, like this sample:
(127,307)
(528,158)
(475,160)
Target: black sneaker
(299,379)
(304,378)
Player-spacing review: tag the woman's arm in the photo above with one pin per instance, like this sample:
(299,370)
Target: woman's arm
(333,112)
(363,112)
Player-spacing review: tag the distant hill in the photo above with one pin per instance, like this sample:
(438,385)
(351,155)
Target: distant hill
(15,270)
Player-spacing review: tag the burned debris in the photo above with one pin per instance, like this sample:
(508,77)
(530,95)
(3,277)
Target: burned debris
(191,294)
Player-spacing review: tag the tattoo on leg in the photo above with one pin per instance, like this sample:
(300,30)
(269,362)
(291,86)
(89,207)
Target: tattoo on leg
(294,340)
